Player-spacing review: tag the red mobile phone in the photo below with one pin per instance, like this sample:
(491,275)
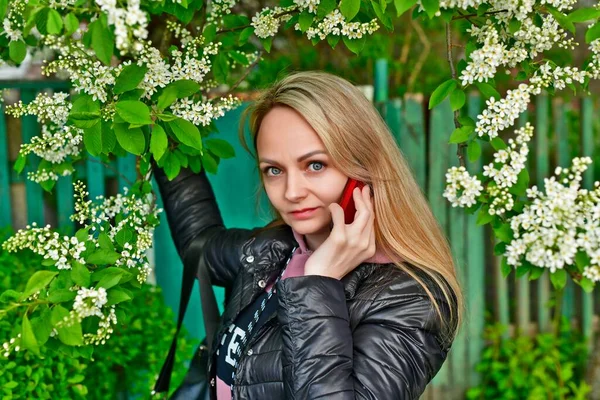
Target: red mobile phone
(347,202)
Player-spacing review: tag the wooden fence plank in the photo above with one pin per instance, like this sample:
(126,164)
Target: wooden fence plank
(412,139)
(127,174)
(393,119)
(542,171)
(35,198)
(95,177)
(5,208)
(66,204)
(475,267)
(587,149)
(441,129)
(563,157)
(523,313)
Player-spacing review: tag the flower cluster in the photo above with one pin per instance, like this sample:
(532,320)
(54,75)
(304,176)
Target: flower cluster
(559,223)
(217,8)
(131,24)
(46,108)
(13,22)
(136,214)
(265,23)
(55,144)
(105,329)
(202,113)
(311,5)
(462,189)
(50,245)
(89,302)
(335,24)
(91,77)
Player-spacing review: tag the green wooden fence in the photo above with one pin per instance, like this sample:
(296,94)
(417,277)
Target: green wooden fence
(423,138)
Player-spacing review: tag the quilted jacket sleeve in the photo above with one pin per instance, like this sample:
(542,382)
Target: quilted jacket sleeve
(197,227)
(392,353)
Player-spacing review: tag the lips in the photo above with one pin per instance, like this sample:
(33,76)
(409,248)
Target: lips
(303,210)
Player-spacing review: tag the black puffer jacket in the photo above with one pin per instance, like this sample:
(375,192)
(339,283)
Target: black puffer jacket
(372,335)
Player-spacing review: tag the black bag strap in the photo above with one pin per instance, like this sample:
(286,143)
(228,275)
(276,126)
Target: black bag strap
(194,263)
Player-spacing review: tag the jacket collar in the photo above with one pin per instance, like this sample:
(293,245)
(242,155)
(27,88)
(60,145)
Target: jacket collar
(274,246)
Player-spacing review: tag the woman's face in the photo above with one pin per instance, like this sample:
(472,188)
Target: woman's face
(297,171)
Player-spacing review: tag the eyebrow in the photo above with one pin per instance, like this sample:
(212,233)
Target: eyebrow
(300,159)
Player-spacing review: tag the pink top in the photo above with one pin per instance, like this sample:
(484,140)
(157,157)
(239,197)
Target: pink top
(295,268)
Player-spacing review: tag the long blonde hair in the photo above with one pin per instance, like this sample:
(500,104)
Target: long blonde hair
(362,147)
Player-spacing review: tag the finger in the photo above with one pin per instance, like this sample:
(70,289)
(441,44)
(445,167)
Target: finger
(337,216)
(366,193)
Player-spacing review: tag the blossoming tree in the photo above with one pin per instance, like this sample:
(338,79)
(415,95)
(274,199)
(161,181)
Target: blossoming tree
(145,76)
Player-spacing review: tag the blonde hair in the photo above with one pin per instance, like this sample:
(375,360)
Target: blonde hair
(361,147)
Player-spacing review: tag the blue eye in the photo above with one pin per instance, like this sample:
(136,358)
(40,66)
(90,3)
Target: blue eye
(319,164)
(272,169)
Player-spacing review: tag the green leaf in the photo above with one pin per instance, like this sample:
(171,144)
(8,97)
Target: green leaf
(37,282)
(71,23)
(69,333)
(105,242)
(333,40)
(385,19)
(514,25)
(487,90)
(239,57)
(584,15)
(132,140)
(209,32)
(457,99)
(172,166)
(20,163)
(559,278)
(61,295)
(504,233)
(582,260)
(17,50)
(520,187)
(587,285)
(220,148)
(461,134)
(109,140)
(110,278)
(591,34)
(209,163)
(116,296)
(536,273)
(523,270)
(103,257)
(134,112)
(349,8)
(176,90)
(186,132)
(41,20)
(80,274)
(92,139)
(10,295)
(441,92)
(28,340)
(403,5)
(355,45)
(85,112)
(55,24)
(221,67)
(267,43)
(125,235)
(498,144)
(103,41)
(505,268)
(245,35)
(431,7)
(562,19)
(484,217)
(325,7)
(305,20)
(474,150)
(129,78)
(158,142)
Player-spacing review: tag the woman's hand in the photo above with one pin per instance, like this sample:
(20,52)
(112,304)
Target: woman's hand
(347,245)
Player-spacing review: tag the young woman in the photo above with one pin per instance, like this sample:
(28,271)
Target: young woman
(317,308)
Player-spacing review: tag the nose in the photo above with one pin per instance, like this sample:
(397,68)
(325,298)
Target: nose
(296,188)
